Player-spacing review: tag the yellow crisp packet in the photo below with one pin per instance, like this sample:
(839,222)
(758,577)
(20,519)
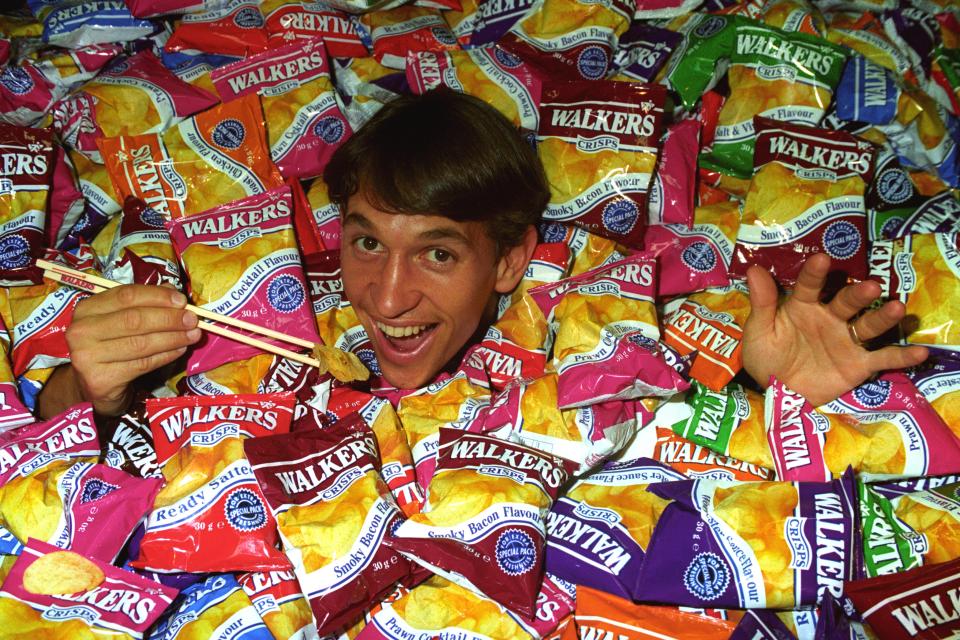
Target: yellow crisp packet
(923,272)
(794,15)
(239,377)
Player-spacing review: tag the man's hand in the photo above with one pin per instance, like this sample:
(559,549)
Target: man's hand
(808,345)
(120,334)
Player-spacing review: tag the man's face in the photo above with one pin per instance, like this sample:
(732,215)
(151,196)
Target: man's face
(420,284)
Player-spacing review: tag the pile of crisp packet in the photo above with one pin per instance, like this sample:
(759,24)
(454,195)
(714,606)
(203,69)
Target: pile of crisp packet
(598,467)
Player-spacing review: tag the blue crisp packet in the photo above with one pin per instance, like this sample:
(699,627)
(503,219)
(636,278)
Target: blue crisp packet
(77,23)
(867,93)
(234,620)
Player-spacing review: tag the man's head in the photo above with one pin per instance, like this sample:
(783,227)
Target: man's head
(439,195)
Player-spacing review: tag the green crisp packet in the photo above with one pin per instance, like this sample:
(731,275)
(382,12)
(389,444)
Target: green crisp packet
(699,61)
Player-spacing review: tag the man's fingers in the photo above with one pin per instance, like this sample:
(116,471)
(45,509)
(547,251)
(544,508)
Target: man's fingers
(128,296)
(894,357)
(853,299)
(763,297)
(138,348)
(879,321)
(123,373)
(812,277)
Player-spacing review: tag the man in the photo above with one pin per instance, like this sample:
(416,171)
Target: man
(440,196)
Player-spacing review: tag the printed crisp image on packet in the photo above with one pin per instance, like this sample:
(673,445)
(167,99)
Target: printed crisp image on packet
(483,525)
(131,96)
(326,215)
(938,379)
(709,324)
(729,422)
(62,440)
(752,545)
(242,260)
(279,601)
(697,461)
(598,530)
(775,74)
(26,165)
(304,123)
(923,272)
(217,603)
(289,20)
(599,143)
(492,74)
(806,196)
(51,593)
(406,29)
(695,257)
(217,156)
(920,527)
(142,233)
(334,512)
(211,515)
(237,377)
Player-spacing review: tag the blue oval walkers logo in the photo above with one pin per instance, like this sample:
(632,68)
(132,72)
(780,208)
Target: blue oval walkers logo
(553,232)
(285,293)
(894,186)
(229,134)
(245,511)
(891,227)
(330,129)
(699,256)
(619,216)
(593,62)
(506,58)
(16,80)
(95,488)
(443,35)
(248,18)
(113,458)
(152,218)
(711,26)
(873,394)
(706,577)
(14,252)
(515,551)
(369,359)
(841,240)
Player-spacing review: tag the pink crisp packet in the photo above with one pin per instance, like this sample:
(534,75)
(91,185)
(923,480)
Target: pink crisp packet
(671,198)
(242,260)
(304,123)
(124,603)
(25,94)
(71,435)
(66,203)
(696,257)
(796,435)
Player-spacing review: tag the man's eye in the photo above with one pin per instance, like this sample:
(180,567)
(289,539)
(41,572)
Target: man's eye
(439,255)
(368,244)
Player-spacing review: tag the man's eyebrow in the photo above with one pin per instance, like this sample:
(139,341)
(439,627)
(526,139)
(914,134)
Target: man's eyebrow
(445,233)
(358,219)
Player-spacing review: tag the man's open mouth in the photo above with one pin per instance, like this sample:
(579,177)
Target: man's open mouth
(406,339)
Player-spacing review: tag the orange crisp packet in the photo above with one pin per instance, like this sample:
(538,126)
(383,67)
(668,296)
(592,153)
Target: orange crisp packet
(215,157)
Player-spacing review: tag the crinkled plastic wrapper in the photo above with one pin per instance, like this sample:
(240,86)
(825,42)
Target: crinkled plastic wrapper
(400,31)
(671,199)
(806,197)
(304,123)
(923,272)
(752,545)
(334,513)
(242,260)
(697,461)
(483,525)
(71,25)
(279,601)
(210,514)
(492,74)
(599,143)
(598,530)
(215,157)
(938,380)
(287,21)
(231,28)
(218,602)
(132,96)
(142,233)
(62,440)
(121,605)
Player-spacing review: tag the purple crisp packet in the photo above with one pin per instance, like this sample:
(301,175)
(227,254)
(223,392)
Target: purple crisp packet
(938,379)
(495,18)
(643,50)
(915,32)
(594,537)
(752,545)
(761,624)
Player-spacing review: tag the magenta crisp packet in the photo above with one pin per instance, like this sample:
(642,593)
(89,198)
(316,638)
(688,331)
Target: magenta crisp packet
(242,260)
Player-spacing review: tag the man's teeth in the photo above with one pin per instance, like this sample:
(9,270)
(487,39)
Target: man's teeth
(401,332)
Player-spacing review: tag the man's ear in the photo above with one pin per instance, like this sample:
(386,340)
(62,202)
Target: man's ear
(513,263)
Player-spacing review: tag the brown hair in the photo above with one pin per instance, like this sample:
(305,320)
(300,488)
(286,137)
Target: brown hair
(443,153)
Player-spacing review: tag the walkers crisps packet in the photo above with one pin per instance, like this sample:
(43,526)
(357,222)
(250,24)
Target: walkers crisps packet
(775,74)
(406,29)
(241,260)
(304,123)
(214,607)
(491,73)
(64,439)
(483,525)
(598,530)
(920,603)
(599,143)
(210,515)
(334,512)
(279,601)
(806,197)
(132,96)
(289,20)
(709,324)
(938,379)
(109,602)
(26,165)
(752,545)
(697,461)
(142,251)
(217,156)
(233,28)
(923,272)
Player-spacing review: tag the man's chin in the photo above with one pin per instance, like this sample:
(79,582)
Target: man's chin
(405,379)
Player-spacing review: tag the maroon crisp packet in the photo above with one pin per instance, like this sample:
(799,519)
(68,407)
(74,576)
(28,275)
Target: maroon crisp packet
(484,523)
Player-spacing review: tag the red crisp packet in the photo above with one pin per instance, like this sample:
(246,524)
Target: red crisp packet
(920,604)
(290,21)
(211,515)
(334,512)
(484,524)
(229,29)
(119,603)
(398,32)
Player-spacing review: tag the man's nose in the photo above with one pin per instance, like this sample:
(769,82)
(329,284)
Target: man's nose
(397,290)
